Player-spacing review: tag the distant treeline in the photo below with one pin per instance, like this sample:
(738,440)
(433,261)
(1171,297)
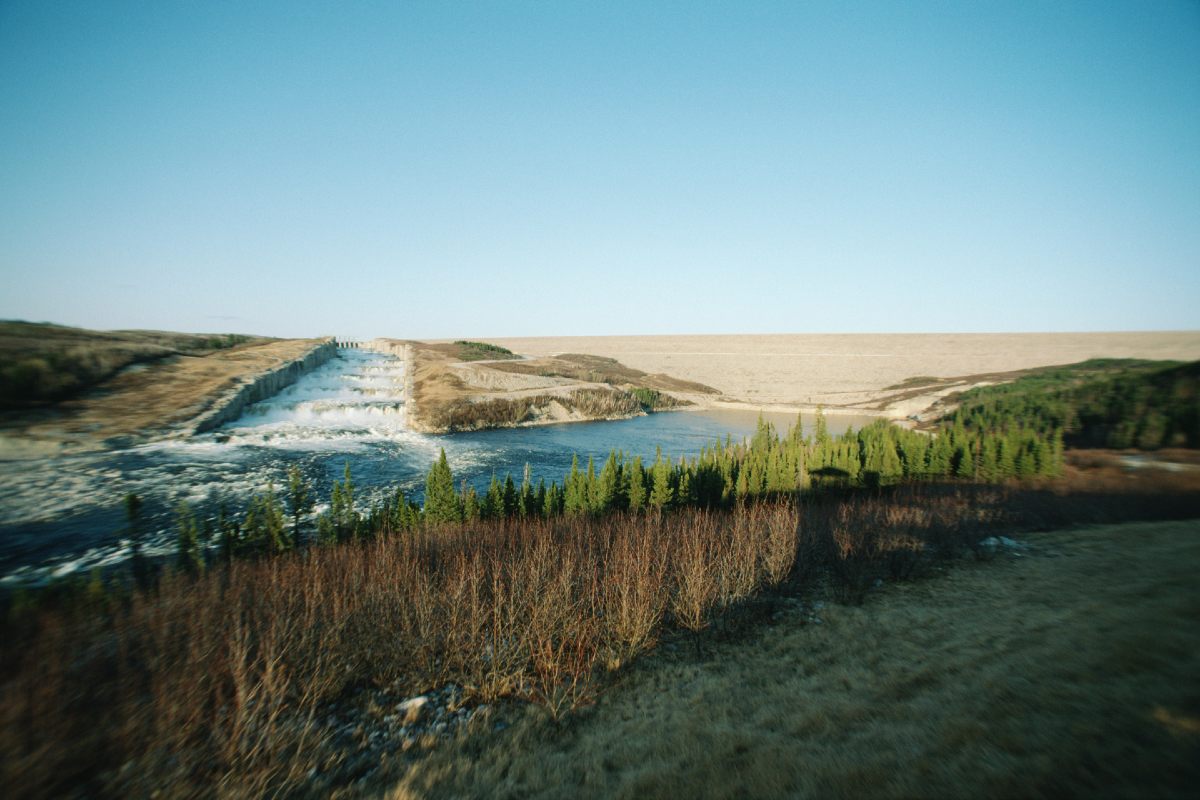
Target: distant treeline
(1098,403)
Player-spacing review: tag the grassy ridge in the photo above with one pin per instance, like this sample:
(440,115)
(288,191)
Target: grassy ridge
(42,363)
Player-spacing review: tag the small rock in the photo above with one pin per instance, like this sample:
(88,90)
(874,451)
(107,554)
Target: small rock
(413,702)
(500,726)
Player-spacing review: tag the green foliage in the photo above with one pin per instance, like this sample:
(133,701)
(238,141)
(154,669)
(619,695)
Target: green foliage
(263,530)
(1099,403)
(190,554)
(662,493)
(300,501)
(441,501)
(480,351)
(653,399)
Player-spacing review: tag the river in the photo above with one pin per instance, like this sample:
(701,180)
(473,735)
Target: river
(62,515)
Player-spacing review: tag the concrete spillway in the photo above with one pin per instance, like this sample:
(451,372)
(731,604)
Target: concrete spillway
(233,403)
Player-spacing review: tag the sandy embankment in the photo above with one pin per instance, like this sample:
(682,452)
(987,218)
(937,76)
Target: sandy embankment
(147,401)
(851,373)
(446,393)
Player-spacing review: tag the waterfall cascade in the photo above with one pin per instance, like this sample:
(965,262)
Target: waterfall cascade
(359,393)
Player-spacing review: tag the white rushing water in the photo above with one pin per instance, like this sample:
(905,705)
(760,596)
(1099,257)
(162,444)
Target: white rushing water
(359,394)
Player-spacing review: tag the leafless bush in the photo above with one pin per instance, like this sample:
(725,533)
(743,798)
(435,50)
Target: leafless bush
(217,682)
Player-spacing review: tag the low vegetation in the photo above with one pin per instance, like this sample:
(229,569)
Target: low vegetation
(42,363)
(468,414)
(600,369)
(223,677)
(481,351)
(1100,403)
(1022,677)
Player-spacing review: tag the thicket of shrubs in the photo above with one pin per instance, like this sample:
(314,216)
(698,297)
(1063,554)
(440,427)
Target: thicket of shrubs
(480,351)
(219,682)
(1099,403)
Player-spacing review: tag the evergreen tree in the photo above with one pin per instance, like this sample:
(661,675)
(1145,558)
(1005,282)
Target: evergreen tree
(608,493)
(575,499)
(661,493)
(511,498)
(821,435)
(189,555)
(528,505)
(441,501)
(470,503)
(493,500)
(143,570)
(637,484)
(300,501)
(263,526)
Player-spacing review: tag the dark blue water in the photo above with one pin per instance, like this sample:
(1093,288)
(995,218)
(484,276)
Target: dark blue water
(65,514)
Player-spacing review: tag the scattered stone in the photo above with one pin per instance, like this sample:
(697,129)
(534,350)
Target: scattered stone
(994,544)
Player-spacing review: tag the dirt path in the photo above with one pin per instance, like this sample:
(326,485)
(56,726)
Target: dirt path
(1067,671)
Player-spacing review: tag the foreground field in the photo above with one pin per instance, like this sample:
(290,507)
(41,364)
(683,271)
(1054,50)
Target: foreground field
(1065,670)
(803,370)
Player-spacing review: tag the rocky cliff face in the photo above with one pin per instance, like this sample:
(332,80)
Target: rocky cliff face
(231,404)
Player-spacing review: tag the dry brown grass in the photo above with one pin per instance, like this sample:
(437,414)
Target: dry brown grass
(219,685)
(599,369)
(215,683)
(1068,672)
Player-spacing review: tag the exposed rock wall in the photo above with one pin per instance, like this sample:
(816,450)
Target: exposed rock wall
(231,404)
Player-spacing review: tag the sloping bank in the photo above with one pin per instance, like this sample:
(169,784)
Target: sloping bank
(249,390)
(446,393)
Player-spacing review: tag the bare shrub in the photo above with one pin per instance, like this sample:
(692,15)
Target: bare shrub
(216,684)
(632,597)
(779,546)
(696,587)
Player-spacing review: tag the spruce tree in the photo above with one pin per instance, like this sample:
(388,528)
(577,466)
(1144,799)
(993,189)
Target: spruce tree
(189,556)
(511,498)
(300,501)
(637,484)
(661,495)
(441,501)
(470,502)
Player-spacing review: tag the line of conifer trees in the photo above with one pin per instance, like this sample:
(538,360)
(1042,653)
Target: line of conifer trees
(767,465)
(1099,403)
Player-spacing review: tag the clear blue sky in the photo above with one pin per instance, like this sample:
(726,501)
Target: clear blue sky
(484,169)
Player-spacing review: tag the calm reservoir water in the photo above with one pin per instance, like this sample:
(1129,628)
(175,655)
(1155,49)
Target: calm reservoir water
(65,514)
